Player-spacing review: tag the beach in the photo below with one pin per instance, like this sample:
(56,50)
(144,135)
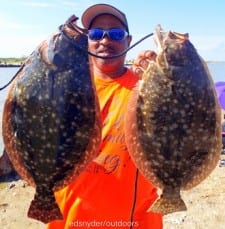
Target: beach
(205,205)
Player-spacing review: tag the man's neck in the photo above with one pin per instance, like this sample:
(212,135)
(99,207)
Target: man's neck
(109,74)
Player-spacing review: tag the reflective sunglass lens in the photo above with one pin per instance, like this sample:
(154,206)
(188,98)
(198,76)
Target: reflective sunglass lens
(116,34)
(95,34)
(113,34)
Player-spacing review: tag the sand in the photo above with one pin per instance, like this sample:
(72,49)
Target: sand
(205,205)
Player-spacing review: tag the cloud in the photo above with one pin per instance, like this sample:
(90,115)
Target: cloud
(11,25)
(57,4)
(36,4)
(207,42)
(210,47)
(19,46)
(72,4)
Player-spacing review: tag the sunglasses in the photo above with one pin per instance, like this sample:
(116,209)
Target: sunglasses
(113,34)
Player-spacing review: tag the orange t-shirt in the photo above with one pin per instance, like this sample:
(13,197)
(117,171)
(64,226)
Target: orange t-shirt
(110,190)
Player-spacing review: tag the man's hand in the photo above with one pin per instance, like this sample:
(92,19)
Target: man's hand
(142,61)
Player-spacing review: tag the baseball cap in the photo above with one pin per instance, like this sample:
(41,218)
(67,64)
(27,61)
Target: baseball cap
(92,12)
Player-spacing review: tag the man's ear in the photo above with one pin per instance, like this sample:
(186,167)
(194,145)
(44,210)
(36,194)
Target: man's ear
(129,39)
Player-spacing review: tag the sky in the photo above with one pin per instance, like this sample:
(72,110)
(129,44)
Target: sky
(25,23)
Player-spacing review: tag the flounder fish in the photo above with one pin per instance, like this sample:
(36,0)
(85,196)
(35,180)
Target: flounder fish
(172,125)
(51,125)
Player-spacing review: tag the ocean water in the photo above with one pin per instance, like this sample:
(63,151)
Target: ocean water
(217,71)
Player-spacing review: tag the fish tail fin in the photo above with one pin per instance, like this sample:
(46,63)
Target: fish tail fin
(44,210)
(168,205)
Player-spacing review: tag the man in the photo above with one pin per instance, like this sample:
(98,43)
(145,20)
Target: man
(111,192)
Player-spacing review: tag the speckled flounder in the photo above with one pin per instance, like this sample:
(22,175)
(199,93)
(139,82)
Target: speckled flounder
(51,126)
(172,128)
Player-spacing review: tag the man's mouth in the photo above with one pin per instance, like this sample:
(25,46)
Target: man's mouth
(106,52)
